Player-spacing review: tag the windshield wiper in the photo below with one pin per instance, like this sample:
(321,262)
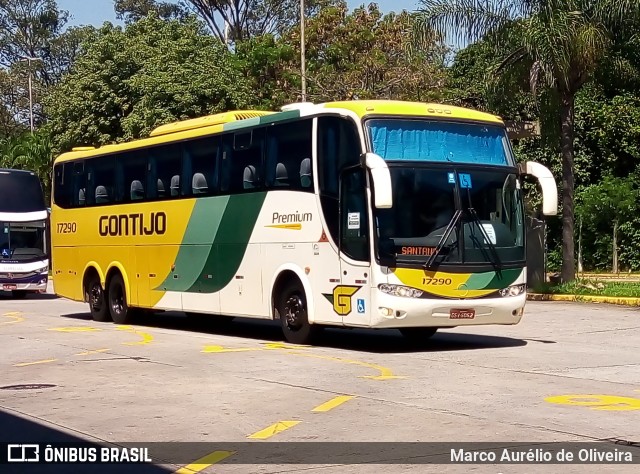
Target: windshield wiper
(495,258)
(452,224)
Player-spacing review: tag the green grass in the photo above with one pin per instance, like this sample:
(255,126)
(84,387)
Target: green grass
(592,288)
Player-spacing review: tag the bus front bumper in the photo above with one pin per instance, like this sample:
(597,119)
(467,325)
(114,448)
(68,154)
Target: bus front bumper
(35,283)
(403,312)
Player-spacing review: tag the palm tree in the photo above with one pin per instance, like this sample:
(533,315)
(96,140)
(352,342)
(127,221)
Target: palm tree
(562,41)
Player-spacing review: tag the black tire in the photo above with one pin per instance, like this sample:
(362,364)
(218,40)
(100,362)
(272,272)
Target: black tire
(418,335)
(97,299)
(117,297)
(19,294)
(292,310)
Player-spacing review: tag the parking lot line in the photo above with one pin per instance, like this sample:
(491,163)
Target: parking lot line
(204,462)
(273,430)
(24,364)
(333,403)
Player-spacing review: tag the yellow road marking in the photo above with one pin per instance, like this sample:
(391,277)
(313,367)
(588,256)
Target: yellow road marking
(273,430)
(217,349)
(597,402)
(146,337)
(15,315)
(24,364)
(75,329)
(385,372)
(92,352)
(333,403)
(204,462)
(280,345)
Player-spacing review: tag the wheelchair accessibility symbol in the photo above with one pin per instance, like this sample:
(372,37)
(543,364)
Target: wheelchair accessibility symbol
(360,306)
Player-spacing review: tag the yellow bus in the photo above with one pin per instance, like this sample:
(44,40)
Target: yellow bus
(371,214)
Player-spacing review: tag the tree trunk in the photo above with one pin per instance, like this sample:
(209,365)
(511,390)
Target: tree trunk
(615,246)
(568,272)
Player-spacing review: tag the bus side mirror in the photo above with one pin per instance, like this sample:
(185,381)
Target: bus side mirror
(547,183)
(383,196)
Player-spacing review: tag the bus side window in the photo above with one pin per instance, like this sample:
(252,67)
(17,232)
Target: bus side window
(288,164)
(338,148)
(101,180)
(132,176)
(201,156)
(165,168)
(354,220)
(243,164)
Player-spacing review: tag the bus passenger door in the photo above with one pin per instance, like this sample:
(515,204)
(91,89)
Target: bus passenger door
(354,299)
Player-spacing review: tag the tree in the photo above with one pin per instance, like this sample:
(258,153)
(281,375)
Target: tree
(562,41)
(241,20)
(127,82)
(360,54)
(133,10)
(606,205)
(29,152)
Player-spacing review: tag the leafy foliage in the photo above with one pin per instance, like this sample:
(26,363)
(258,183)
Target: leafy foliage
(130,81)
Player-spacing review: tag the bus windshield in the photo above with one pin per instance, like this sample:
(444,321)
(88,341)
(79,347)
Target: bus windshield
(439,141)
(489,229)
(22,241)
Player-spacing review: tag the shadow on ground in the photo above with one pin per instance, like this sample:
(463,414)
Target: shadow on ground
(21,429)
(361,340)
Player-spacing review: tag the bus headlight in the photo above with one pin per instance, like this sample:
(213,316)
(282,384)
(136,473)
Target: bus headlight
(44,269)
(513,290)
(399,290)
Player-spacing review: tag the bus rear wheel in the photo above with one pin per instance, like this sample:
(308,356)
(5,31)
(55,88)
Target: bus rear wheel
(118,306)
(418,335)
(97,300)
(292,308)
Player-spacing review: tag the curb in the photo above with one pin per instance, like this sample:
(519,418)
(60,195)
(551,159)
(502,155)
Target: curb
(585,299)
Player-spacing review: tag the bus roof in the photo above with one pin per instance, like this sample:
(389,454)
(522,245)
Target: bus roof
(365,108)
(239,119)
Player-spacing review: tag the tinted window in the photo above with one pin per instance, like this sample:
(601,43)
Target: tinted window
(242,165)
(200,158)
(353,215)
(20,191)
(288,163)
(132,176)
(101,181)
(338,148)
(165,170)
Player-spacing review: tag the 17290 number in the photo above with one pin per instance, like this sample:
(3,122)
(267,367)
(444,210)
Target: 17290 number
(67,228)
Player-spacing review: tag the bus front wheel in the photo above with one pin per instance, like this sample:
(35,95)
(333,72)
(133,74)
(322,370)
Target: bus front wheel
(97,301)
(292,308)
(118,306)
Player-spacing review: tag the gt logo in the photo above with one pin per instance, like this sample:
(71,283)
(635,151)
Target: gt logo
(341,298)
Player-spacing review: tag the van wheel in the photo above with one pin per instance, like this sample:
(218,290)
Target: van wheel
(118,306)
(97,299)
(292,309)
(418,335)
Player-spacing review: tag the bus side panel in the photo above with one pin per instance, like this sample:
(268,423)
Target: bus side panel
(243,295)
(66,281)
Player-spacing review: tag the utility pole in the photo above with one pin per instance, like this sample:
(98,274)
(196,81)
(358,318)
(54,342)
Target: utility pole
(303,72)
(29,59)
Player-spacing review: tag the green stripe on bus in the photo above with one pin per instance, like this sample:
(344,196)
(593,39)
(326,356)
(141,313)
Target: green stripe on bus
(196,244)
(230,245)
(491,280)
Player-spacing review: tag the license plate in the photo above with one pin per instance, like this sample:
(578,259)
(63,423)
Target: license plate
(9,287)
(462,314)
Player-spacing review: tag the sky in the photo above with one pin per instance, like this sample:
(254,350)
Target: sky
(96,12)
